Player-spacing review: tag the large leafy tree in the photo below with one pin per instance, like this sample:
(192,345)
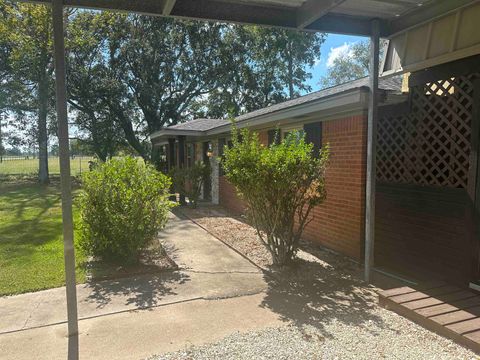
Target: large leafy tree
(131,75)
(27,29)
(87,75)
(264,66)
(350,65)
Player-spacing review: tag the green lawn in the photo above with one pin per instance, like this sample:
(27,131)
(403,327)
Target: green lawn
(23,166)
(31,248)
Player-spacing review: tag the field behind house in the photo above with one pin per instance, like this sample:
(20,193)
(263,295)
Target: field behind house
(19,165)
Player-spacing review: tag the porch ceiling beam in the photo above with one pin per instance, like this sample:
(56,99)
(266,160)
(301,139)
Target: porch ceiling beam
(168,7)
(433,10)
(313,10)
(215,10)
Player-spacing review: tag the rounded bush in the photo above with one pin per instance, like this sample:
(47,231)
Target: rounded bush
(123,205)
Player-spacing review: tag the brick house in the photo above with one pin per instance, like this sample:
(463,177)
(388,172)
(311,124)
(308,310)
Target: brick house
(336,115)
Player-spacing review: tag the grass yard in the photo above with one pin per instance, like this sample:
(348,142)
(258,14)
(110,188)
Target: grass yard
(31,242)
(30,166)
(31,247)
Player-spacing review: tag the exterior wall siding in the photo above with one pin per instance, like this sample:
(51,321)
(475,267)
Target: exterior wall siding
(338,223)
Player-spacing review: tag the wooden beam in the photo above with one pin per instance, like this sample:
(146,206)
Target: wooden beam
(371,149)
(313,10)
(215,10)
(167,8)
(67,217)
(342,24)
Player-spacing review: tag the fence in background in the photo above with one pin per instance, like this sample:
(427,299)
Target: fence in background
(28,165)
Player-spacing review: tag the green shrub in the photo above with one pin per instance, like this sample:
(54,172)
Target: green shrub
(280,184)
(123,205)
(189,181)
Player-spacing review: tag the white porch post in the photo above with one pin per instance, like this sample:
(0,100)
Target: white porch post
(67,218)
(371,149)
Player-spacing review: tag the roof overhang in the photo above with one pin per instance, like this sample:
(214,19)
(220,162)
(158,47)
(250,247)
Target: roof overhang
(337,104)
(332,16)
(445,38)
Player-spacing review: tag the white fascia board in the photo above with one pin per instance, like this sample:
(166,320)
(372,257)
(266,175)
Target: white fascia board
(346,101)
(175,132)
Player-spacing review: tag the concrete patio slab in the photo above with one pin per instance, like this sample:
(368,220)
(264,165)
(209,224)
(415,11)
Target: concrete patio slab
(208,270)
(139,334)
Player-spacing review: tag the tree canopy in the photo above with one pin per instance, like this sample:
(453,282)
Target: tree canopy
(130,75)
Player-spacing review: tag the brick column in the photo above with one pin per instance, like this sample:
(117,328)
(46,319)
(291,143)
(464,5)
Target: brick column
(215,173)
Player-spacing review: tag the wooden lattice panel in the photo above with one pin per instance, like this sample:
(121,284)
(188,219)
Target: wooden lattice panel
(430,145)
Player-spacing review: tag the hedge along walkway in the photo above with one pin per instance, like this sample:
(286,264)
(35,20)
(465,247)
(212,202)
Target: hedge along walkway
(208,270)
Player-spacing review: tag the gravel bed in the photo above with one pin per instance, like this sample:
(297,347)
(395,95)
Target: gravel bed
(232,230)
(292,342)
(330,312)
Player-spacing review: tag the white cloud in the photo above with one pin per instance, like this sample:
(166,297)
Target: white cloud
(335,53)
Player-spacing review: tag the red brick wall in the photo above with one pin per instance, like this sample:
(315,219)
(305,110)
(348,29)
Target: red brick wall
(228,197)
(338,223)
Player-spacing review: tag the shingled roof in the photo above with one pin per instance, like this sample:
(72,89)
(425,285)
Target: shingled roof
(390,84)
(199,126)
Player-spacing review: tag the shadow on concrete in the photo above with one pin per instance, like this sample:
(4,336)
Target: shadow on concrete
(143,291)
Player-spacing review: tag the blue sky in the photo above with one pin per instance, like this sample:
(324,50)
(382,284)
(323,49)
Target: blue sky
(333,45)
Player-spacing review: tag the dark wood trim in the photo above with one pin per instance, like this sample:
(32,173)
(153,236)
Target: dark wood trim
(460,67)
(473,185)
(181,160)
(171,154)
(181,151)
(341,24)
(394,109)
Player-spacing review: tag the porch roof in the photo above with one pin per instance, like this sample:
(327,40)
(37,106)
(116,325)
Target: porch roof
(348,93)
(333,16)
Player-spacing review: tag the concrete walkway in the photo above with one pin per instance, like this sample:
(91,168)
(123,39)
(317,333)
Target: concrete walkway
(33,325)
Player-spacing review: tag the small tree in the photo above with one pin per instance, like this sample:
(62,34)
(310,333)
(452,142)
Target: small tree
(280,184)
(123,205)
(189,181)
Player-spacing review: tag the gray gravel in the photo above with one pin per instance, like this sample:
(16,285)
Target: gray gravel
(330,314)
(291,342)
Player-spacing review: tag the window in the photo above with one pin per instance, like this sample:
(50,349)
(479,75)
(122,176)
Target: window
(288,130)
(273,136)
(313,135)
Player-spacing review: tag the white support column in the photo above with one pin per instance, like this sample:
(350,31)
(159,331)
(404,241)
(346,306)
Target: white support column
(62,120)
(371,149)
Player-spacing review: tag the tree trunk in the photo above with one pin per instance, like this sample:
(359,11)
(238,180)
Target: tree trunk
(290,73)
(42,130)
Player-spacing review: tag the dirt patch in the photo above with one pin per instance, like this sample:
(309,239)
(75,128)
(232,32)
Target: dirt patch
(151,260)
(231,229)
